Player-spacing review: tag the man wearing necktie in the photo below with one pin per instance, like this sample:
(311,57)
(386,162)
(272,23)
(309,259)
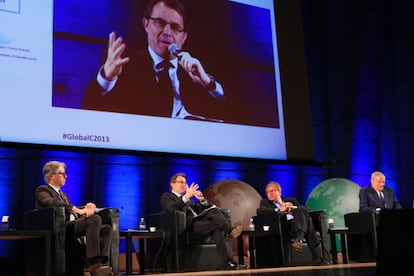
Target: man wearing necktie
(129,81)
(202,217)
(376,196)
(301,228)
(83,219)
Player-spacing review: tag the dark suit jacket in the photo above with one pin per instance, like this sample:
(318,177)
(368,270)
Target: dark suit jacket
(136,92)
(46,196)
(302,220)
(170,202)
(267,206)
(369,200)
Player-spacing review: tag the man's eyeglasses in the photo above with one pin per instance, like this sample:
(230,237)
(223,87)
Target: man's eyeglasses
(161,24)
(62,174)
(180,182)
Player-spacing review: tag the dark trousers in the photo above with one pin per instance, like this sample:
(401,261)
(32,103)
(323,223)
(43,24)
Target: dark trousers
(214,224)
(98,237)
(303,223)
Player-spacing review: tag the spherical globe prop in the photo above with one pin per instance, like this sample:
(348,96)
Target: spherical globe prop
(239,197)
(337,196)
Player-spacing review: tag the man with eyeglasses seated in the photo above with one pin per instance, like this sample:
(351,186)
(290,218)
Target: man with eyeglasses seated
(202,217)
(83,219)
(300,224)
(160,80)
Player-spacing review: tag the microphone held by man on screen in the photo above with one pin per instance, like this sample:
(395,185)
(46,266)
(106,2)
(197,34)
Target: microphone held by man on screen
(175,50)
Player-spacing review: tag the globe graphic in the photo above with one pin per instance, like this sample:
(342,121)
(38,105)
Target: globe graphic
(337,196)
(240,198)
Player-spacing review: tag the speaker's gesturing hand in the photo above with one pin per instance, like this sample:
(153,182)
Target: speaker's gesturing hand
(191,190)
(114,60)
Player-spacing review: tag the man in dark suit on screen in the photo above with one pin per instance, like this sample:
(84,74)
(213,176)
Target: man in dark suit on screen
(160,80)
(376,196)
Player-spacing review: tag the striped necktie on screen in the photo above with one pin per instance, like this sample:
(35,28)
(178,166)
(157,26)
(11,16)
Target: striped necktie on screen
(165,88)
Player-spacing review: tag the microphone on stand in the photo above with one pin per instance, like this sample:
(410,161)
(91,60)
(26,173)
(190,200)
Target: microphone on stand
(175,50)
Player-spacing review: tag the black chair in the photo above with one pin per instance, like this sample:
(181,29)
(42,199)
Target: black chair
(275,250)
(362,236)
(184,250)
(320,223)
(395,241)
(67,251)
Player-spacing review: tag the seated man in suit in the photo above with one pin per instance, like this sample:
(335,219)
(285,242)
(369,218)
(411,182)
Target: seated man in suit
(377,196)
(300,224)
(202,217)
(84,220)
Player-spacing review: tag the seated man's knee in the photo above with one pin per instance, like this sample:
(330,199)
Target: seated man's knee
(95,219)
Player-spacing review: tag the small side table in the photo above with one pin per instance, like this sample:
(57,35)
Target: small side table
(45,266)
(342,231)
(251,234)
(141,235)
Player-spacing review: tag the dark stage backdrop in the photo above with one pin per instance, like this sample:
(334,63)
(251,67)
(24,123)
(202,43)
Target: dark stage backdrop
(360,74)
(361,80)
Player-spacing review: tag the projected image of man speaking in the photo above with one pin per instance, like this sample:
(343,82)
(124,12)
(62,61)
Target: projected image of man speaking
(161,80)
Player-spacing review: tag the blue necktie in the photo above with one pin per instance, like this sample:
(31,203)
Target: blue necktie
(381,196)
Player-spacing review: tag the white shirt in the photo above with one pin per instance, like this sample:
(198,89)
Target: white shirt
(178,111)
(71,216)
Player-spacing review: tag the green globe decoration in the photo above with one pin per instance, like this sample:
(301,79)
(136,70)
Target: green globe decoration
(337,196)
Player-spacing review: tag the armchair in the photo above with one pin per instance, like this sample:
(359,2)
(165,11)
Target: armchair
(362,236)
(184,250)
(66,250)
(275,250)
(320,223)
